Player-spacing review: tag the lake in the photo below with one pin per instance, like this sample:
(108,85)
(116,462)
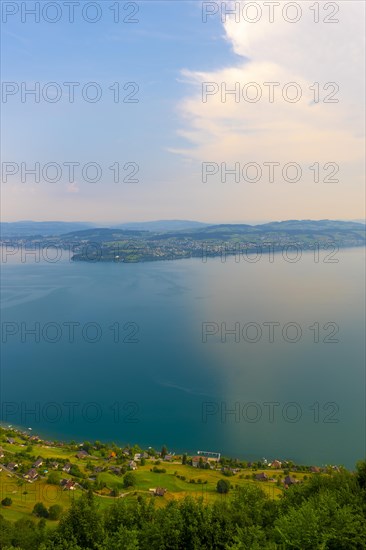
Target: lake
(251,359)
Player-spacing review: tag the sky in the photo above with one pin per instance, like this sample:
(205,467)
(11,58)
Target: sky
(159,135)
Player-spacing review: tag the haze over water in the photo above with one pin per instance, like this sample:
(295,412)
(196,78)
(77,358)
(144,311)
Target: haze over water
(163,385)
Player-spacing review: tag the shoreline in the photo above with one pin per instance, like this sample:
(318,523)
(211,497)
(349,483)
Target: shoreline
(52,442)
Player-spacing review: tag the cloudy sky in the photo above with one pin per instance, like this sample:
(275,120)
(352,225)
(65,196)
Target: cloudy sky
(192,114)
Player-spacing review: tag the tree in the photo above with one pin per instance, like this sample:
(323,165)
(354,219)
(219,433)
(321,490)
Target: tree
(361,473)
(87,446)
(164,451)
(86,484)
(123,539)
(75,471)
(40,510)
(54,512)
(60,544)
(7,501)
(184,459)
(53,478)
(26,535)
(129,480)
(223,486)
(82,524)
(6,531)
(89,466)
(42,524)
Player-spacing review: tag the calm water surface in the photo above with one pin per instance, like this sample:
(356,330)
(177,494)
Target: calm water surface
(121,355)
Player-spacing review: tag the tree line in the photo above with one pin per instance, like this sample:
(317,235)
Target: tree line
(326,512)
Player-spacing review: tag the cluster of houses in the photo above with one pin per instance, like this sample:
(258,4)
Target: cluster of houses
(202,460)
(32,474)
(205,459)
(65,484)
(132,464)
(289,480)
(68,484)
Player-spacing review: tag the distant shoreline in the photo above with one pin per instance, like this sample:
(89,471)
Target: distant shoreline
(248,243)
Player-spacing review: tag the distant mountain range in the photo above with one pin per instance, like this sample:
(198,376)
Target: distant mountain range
(162,225)
(56,228)
(43,229)
(47,229)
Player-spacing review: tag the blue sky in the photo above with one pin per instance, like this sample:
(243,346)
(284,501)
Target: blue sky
(167,133)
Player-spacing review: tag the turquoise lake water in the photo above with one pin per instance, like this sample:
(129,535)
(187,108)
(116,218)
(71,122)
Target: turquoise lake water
(134,353)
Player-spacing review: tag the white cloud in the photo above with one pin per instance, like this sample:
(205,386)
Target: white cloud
(304,132)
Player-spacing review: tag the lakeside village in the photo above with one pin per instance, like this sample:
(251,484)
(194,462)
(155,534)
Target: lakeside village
(112,471)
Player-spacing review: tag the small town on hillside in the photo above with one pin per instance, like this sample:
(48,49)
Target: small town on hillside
(113,472)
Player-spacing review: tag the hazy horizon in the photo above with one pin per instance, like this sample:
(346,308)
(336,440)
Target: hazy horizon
(214,222)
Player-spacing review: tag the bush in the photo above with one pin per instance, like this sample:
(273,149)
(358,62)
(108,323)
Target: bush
(40,510)
(54,478)
(129,480)
(158,470)
(54,512)
(7,501)
(75,471)
(223,486)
